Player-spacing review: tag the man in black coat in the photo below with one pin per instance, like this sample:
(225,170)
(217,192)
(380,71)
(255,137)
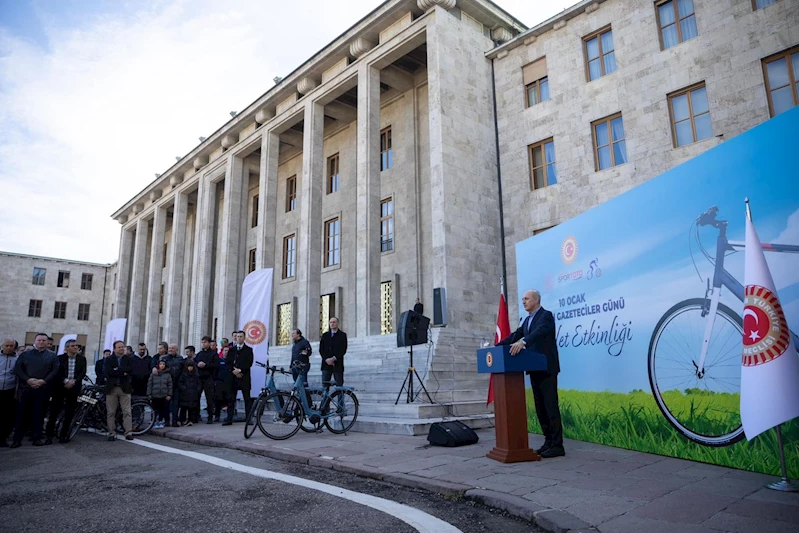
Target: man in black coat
(99,365)
(35,369)
(332,348)
(207,362)
(239,360)
(537,333)
(65,390)
(118,388)
(142,366)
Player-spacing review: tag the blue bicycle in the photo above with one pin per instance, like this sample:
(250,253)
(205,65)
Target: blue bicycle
(696,349)
(281,414)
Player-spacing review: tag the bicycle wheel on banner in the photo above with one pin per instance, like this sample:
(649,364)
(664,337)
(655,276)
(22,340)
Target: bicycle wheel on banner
(280,415)
(702,404)
(344,406)
(314,400)
(251,424)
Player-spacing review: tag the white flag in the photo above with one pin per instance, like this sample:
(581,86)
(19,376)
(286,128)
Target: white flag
(770,366)
(256,304)
(114,331)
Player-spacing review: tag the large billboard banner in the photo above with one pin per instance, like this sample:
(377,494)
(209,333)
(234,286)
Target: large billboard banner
(647,291)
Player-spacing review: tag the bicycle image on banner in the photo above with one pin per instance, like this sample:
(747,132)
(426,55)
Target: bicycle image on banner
(647,292)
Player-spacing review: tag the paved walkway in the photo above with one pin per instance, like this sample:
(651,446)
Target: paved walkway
(593,488)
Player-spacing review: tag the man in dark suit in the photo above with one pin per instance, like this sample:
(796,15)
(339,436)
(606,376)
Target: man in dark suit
(118,388)
(65,390)
(99,374)
(332,348)
(239,360)
(36,369)
(537,332)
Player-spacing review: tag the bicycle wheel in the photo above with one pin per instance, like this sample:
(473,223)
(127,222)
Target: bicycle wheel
(315,400)
(142,417)
(77,422)
(702,404)
(344,408)
(280,415)
(251,424)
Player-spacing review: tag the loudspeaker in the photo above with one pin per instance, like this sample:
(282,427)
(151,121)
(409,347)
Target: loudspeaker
(451,434)
(412,329)
(440,306)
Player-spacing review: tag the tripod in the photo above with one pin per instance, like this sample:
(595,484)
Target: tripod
(407,384)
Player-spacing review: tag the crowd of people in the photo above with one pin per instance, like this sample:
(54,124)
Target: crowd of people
(36,383)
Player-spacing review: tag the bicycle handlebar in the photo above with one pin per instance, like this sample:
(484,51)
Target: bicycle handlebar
(271,368)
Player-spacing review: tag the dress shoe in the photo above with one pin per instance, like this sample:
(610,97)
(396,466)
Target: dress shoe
(555,451)
(38,442)
(227,423)
(128,437)
(112,438)
(63,440)
(175,424)
(15,444)
(210,420)
(48,441)
(543,448)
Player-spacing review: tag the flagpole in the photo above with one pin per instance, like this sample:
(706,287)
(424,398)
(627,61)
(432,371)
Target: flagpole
(784,484)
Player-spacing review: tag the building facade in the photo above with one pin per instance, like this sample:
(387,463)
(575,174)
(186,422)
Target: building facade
(55,296)
(414,151)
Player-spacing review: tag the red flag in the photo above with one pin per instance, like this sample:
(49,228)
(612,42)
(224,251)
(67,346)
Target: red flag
(503,330)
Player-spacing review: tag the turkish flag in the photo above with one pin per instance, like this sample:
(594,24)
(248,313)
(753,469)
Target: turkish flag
(503,330)
(770,366)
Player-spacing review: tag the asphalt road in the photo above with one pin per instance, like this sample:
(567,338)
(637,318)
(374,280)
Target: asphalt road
(93,485)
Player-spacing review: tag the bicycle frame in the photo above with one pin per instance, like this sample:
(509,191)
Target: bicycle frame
(299,388)
(722,278)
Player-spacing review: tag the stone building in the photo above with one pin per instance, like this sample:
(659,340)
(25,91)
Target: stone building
(55,296)
(369,177)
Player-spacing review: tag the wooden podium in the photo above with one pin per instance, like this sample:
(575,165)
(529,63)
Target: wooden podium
(510,403)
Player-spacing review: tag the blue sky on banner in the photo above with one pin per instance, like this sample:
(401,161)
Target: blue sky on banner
(97,96)
(641,243)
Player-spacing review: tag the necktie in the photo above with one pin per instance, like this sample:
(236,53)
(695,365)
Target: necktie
(527,322)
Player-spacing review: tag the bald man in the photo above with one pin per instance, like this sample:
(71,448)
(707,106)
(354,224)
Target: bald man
(537,332)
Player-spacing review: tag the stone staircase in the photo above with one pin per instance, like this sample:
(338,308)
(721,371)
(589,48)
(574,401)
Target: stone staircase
(376,368)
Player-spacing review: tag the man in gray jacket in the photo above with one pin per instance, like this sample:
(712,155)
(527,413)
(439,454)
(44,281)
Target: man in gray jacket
(35,370)
(8,390)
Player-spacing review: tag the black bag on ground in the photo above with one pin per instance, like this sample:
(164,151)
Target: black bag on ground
(451,434)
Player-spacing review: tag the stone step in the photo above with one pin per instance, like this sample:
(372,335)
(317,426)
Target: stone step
(415,426)
(420,409)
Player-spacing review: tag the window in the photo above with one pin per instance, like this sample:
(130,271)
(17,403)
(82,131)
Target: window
(35,308)
(690,115)
(387,225)
(333,176)
(161,300)
(252,261)
(83,310)
(759,4)
(86,282)
(327,310)
(676,21)
(386,308)
(38,275)
(542,164)
(332,242)
(610,147)
(254,221)
(386,159)
(163,261)
(283,324)
(291,194)
(63,279)
(536,82)
(600,56)
(289,256)
(60,310)
(780,73)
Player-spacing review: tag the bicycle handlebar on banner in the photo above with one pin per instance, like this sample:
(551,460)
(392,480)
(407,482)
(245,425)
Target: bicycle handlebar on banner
(708,218)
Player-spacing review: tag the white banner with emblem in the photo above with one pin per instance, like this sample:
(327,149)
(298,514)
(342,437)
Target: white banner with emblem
(256,305)
(114,331)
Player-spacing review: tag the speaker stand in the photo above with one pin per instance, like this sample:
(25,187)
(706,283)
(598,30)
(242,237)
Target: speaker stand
(407,384)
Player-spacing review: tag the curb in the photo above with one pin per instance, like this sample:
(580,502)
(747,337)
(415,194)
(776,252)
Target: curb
(550,520)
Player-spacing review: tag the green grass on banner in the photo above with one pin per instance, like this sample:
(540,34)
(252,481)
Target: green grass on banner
(633,421)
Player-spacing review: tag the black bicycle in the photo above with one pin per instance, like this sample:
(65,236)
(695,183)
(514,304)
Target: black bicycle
(91,412)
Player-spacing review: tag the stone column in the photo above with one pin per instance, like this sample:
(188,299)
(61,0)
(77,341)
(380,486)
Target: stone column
(309,242)
(367,287)
(267,203)
(203,264)
(124,263)
(234,212)
(137,284)
(174,283)
(152,316)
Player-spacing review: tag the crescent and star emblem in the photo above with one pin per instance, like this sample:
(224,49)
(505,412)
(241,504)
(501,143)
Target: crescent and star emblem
(766,334)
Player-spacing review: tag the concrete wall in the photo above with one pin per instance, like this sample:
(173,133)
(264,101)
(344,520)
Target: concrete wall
(726,55)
